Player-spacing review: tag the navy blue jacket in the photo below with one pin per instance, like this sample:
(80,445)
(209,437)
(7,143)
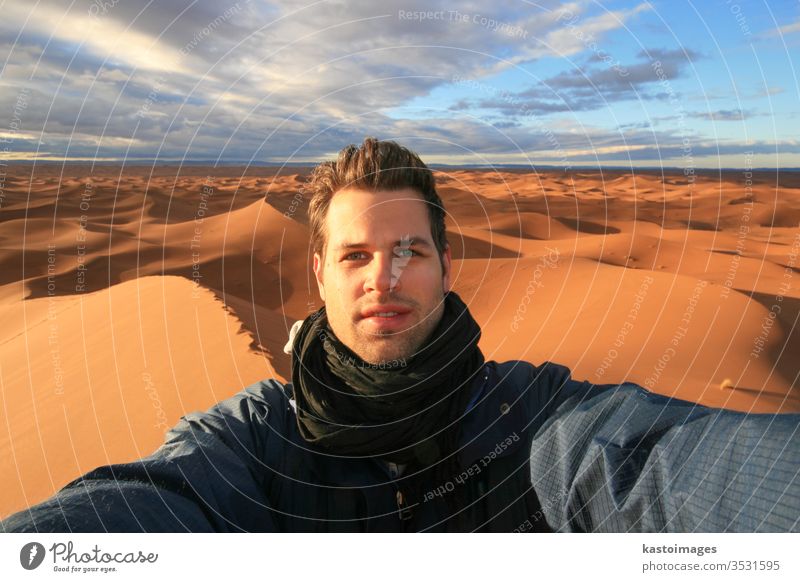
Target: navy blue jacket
(540,452)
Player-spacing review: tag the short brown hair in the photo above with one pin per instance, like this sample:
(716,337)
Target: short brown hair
(376,165)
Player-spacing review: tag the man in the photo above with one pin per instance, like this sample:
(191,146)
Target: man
(394,421)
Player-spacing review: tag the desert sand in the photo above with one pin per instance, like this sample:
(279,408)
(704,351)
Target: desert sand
(132,296)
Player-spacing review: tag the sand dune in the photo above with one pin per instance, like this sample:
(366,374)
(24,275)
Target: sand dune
(99,377)
(128,299)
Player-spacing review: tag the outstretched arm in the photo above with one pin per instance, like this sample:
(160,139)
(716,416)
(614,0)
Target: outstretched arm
(619,458)
(210,475)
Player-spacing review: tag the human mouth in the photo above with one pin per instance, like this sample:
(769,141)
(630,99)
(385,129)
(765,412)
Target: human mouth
(380,318)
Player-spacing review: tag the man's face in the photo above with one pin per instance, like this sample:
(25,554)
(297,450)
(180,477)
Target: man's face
(380,257)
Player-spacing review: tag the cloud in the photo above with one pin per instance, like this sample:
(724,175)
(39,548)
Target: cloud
(53,28)
(721,115)
(786,29)
(249,79)
(768,92)
(593,88)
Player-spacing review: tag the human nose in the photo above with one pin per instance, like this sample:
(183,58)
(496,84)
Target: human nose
(382,274)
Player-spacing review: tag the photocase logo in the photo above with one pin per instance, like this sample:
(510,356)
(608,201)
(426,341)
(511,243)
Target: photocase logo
(31,555)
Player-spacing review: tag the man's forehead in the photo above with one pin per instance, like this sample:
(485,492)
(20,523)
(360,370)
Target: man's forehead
(349,203)
(359,218)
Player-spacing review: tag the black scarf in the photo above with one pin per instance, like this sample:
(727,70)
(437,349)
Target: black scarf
(407,411)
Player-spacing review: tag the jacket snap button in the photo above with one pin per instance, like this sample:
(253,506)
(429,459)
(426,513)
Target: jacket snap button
(504,408)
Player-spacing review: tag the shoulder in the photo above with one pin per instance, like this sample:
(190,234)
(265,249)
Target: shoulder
(524,374)
(535,383)
(270,393)
(247,418)
(541,389)
(265,396)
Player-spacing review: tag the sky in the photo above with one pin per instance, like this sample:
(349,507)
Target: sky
(678,84)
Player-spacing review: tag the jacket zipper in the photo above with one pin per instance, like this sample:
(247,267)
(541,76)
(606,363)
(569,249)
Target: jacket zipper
(405,511)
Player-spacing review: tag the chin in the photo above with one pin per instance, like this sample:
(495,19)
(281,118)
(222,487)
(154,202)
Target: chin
(383,356)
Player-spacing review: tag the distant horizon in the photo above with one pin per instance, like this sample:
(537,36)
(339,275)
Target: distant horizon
(138,163)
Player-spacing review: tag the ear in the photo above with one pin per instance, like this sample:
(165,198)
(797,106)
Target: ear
(446,265)
(318,269)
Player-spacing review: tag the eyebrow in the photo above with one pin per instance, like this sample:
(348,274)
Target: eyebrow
(417,241)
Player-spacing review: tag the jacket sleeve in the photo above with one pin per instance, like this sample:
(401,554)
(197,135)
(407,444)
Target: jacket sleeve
(618,458)
(209,475)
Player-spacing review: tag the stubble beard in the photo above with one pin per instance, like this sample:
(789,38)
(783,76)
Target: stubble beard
(386,346)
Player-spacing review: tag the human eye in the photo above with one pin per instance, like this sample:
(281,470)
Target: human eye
(410,252)
(348,256)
